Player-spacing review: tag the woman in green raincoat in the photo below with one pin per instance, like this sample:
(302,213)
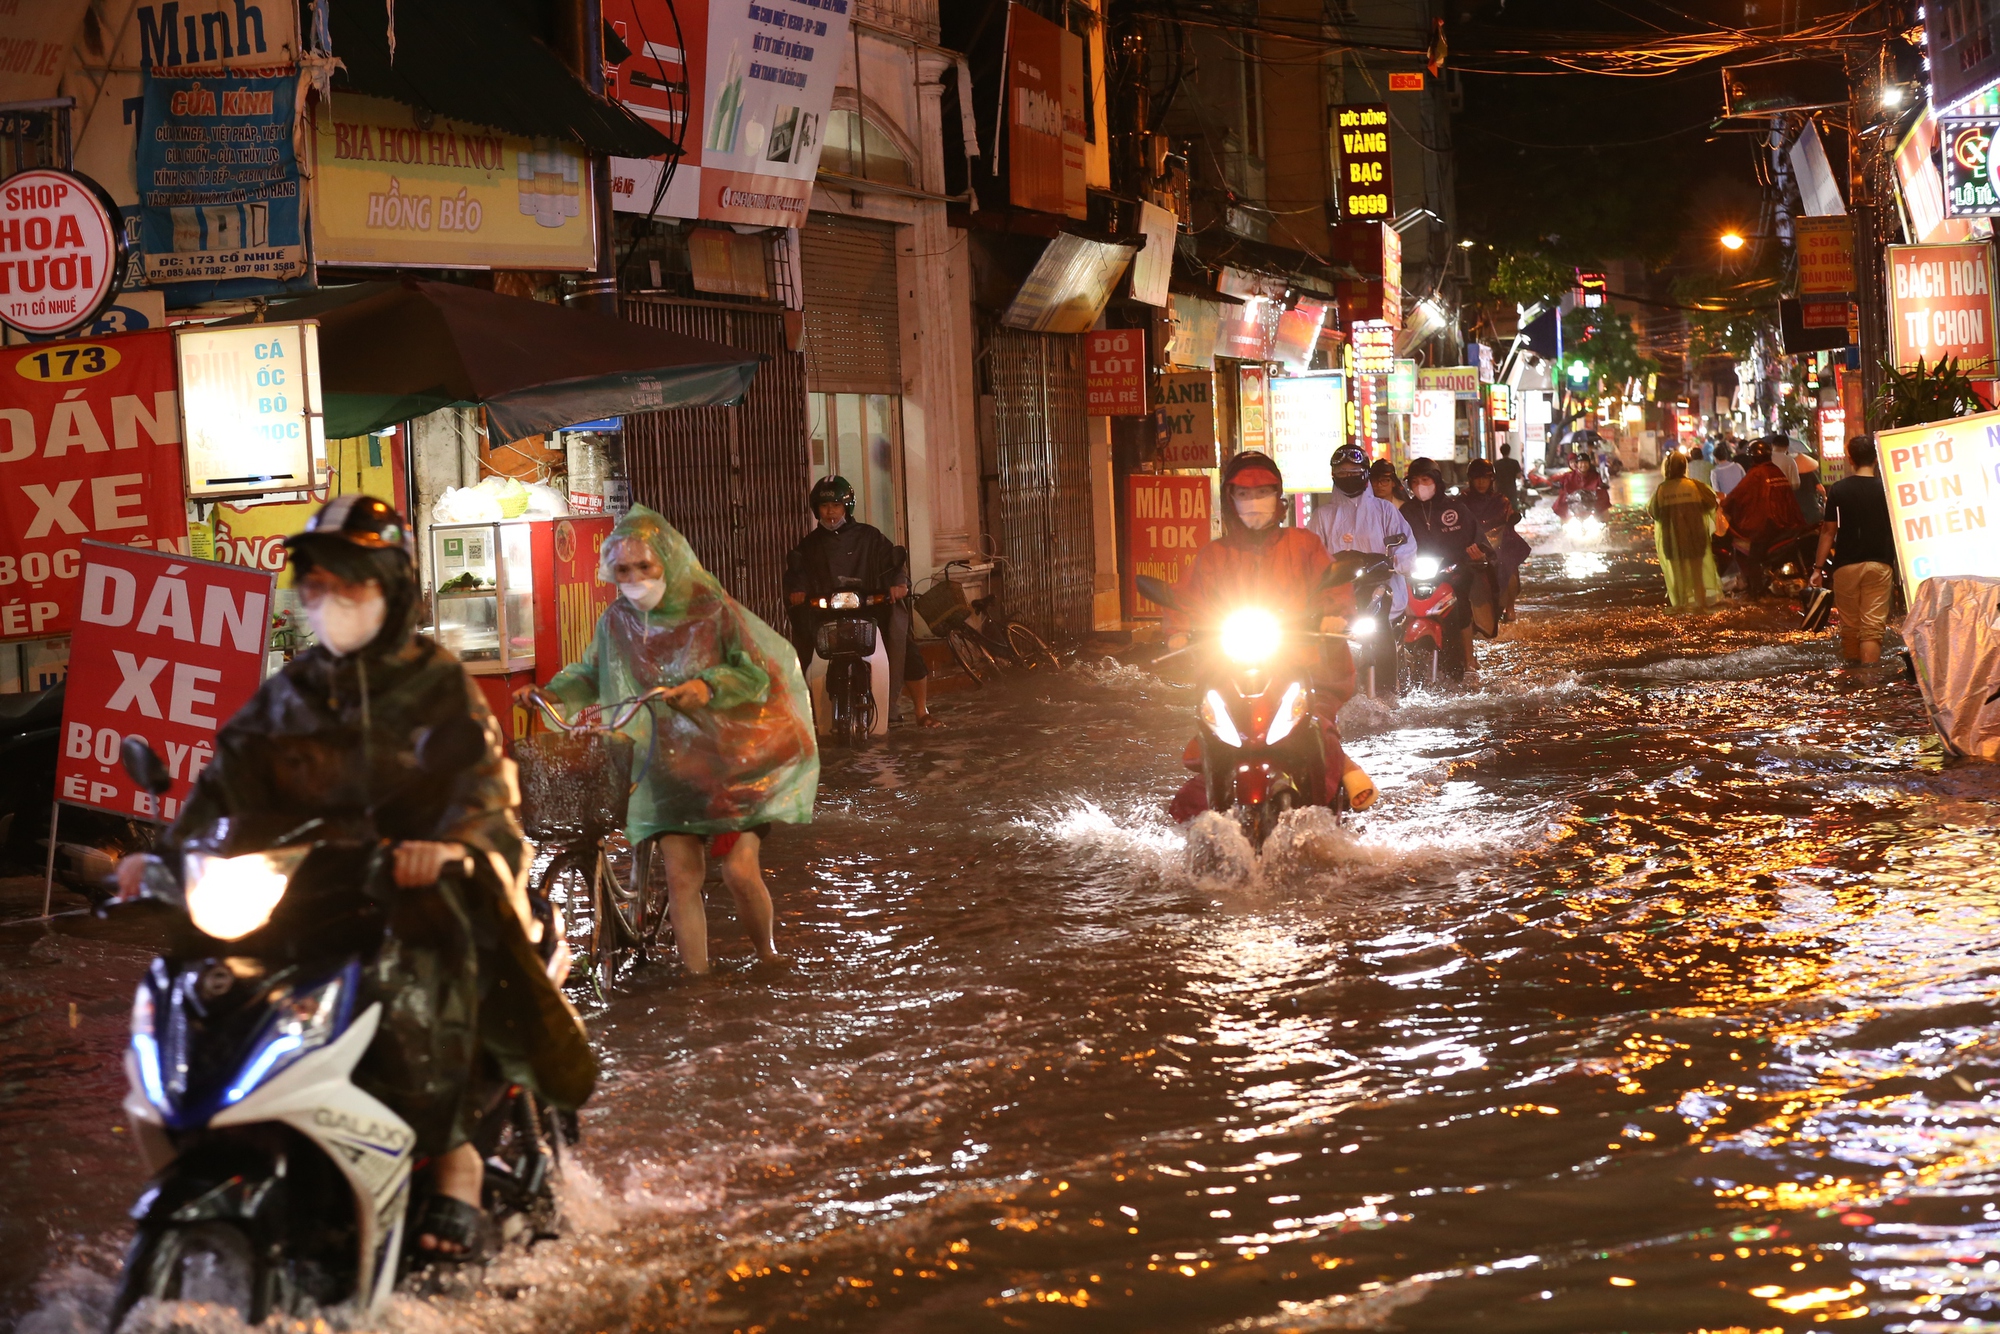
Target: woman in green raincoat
(728,751)
(1684,513)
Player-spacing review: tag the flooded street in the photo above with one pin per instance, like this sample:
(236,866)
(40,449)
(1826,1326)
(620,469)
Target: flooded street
(1655,994)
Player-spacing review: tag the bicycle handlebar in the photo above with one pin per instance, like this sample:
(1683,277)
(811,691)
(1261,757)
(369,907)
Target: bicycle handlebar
(628,710)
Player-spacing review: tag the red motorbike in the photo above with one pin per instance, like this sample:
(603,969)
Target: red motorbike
(1431,648)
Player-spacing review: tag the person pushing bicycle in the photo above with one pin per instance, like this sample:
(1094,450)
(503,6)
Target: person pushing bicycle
(725,751)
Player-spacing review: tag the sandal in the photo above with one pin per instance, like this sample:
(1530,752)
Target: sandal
(454,1222)
(929,720)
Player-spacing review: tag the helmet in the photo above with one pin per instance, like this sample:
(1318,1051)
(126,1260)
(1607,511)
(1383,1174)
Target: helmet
(1381,468)
(831,487)
(1424,468)
(1349,469)
(1348,456)
(358,521)
(359,538)
(1478,468)
(1252,469)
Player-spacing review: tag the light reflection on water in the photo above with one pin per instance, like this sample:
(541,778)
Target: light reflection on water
(1656,993)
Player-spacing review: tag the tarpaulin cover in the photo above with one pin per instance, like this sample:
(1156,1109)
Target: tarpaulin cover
(391,351)
(745,758)
(1953,631)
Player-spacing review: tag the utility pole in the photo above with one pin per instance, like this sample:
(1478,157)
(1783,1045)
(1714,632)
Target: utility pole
(1872,202)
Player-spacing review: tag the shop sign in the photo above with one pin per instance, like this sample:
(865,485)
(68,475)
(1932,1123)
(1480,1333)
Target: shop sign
(1940,483)
(1374,344)
(1832,433)
(1114,372)
(1971,188)
(1153,266)
(1367,191)
(1248,332)
(1186,419)
(32,54)
(90,445)
(1499,403)
(1402,385)
(1461,381)
(1308,420)
(390,192)
(219,179)
(1921,188)
(178,36)
(1298,334)
(1432,424)
(1406,81)
(60,250)
(165,649)
(1826,255)
(1483,358)
(772,65)
(1941,304)
(1167,525)
(1044,115)
(1253,405)
(1194,321)
(250,407)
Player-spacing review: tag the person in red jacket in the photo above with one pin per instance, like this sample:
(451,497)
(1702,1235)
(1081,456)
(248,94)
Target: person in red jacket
(1258,561)
(1762,509)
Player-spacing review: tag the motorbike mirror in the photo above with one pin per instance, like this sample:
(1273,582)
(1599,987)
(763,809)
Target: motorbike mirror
(1346,566)
(1395,540)
(145,768)
(451,746)
(1157,592)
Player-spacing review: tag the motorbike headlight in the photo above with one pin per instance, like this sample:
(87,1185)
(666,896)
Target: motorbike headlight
(845,601)
(146,1045)
(1215,717)
(1251,635)
(1363,627)
(229,897)
(1426,568)
(1293,707)
(300,1023)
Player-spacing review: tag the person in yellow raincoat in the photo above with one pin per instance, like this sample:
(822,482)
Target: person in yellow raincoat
(728,752)
(1684,513)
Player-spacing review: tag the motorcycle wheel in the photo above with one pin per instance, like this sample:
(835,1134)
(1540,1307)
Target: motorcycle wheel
(210,1263)
(841,704)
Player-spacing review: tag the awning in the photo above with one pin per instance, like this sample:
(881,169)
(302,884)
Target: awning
(390,351)
(482,61)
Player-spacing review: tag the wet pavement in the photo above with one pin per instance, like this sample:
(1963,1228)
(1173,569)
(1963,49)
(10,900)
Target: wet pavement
(1656,994)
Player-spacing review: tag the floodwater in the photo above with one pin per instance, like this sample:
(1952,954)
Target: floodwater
(1660,992)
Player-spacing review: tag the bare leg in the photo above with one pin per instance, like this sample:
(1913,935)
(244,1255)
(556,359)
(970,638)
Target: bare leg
(745,879)
(687,863)
(1871,651)
(459,1174)
(920,692)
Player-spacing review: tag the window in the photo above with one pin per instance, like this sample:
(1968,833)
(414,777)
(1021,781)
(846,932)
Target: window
(859,436)
(856,146)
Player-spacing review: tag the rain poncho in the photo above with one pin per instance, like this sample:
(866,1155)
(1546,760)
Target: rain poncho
(1683,528)
(744,759)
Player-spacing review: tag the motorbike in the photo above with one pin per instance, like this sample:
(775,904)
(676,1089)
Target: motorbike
(88,842)
(1376,631)
(1431,648)
(279,1186)
(848,639)
(1261,747)
(1583,515)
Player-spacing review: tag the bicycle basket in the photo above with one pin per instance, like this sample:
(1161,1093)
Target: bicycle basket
(573,786)
(845,634)
(942,605)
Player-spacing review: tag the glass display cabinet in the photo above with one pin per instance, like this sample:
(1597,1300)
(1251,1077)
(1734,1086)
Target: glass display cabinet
(484,606)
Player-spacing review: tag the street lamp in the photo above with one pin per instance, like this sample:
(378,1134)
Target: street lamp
(1731,240)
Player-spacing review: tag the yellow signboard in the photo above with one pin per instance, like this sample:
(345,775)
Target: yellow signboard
(1944,502)
(390,191)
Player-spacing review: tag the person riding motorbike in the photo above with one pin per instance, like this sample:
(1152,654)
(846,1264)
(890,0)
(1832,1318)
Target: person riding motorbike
(727,752)
(1493,518)
(1763,511)
(1444,529)
(1356,519)
(468,1004)
(1582,476)
(1383,482)
(1256,561)
(840,547)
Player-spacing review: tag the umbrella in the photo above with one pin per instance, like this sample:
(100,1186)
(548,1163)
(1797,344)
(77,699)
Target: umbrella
(390,351)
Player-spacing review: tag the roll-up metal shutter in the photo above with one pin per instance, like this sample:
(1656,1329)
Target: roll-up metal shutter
(1042,438)
(853,342)
(732,480)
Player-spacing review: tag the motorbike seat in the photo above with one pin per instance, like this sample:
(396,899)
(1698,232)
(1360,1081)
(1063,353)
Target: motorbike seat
(33,709)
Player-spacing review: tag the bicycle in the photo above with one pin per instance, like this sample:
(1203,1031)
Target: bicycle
(575,784)
(980,652)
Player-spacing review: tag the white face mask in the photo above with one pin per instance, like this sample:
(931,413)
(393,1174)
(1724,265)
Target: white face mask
(1257,512)
(645,594)
(1425,489)
(347,624)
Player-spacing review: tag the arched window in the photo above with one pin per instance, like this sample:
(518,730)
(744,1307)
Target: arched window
(856,146)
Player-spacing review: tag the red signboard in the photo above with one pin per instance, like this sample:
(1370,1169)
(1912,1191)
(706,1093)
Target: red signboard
(1405,81)
(90,446)
(1167,522)
(1941,305)
(165,648)
(1114,372)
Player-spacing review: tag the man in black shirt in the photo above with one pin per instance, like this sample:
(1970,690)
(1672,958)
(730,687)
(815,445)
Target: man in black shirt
(840,553)
(1507,477)
(1856,531)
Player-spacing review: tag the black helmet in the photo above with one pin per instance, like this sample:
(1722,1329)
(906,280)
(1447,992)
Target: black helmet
(1478,468)
(1349,469)
(1381,468)
(1424,468)
(831,487)
(1348,456)
(359,521)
